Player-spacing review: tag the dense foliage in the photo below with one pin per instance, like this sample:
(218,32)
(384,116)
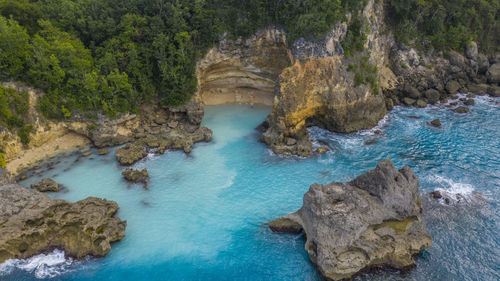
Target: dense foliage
(113,55)
(13,109)
(447,24)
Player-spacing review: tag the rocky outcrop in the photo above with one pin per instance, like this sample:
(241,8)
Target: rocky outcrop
(49,138)
(46,185)
(178,140)
(320,90)
(429,77)
(243,70)
(371,222)
(136,176)
(5,177)
(32,223)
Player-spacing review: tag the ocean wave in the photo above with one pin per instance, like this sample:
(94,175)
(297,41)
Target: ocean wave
(456,192)
(42,266)
(381,124)
(452,187)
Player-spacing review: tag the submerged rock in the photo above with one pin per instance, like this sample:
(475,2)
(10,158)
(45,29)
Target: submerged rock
(102,151)
(461,110)
(46,185)
(322,150)
(136,176)
(285,225)
(469,102)
(32,223)
(435,123)
(86,153)
(373,221)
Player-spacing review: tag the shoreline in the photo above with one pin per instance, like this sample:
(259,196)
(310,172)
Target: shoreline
(69,142)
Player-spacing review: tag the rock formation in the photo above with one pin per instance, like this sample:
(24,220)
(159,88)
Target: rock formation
(46,185)
(243,70)
(49,137)
(136,176)
(135,151)
(32,223)
(319,92)
(371,222)
(320,88)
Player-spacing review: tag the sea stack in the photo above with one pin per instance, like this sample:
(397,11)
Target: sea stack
(373,221)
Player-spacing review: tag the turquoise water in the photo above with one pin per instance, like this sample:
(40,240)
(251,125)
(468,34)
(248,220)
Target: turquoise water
(203,216)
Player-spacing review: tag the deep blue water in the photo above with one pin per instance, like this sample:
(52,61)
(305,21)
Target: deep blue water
(204,215)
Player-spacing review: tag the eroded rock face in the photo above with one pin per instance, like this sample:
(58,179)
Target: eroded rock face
(319,89)
(373,221)
(319,92)
(31,223)
(243,70)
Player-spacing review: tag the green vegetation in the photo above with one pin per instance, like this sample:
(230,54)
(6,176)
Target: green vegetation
(355,38)
(364,73)
(2,161)
(13,109)
(111,56)
(447,24)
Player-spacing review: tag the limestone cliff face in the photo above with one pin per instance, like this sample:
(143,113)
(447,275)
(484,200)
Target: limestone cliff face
(243,71)
(321,90)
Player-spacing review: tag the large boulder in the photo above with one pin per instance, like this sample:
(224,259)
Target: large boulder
(32,223)
(493,73)
(432,96)
(371,222)
(46,185)
(452,87)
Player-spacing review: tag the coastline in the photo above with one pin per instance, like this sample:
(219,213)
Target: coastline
(68,142)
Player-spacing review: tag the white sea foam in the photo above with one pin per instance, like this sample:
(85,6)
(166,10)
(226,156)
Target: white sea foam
(381,124)
(42,266)
(229,182)
(457,192)
(452,187)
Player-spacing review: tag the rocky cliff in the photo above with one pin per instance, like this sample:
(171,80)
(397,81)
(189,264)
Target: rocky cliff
(429,77)
(179,125)
(321,88)
(319,92)
(32,223)
(371,222)
(243,70)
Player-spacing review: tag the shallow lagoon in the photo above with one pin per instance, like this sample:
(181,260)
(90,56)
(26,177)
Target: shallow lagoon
(203,216)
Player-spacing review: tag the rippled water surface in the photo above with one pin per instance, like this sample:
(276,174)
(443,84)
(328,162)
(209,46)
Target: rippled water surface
(204,215)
